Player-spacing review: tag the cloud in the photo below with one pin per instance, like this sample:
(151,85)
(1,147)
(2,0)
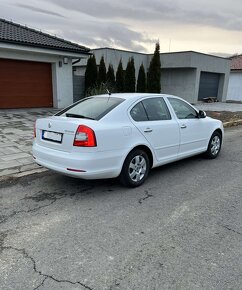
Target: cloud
(80,28)
(40,10)
(202,13)
(111,34)
(203,25)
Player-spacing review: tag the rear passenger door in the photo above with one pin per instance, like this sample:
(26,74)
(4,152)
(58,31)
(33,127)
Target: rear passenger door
(153,119)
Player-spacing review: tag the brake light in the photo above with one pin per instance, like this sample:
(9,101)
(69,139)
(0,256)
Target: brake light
(85,137)
(35,129)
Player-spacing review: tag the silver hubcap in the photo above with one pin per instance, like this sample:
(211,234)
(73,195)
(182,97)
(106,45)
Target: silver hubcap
(215,145)
(137,168)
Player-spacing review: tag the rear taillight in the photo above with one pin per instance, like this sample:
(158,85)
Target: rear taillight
(85,137)
(35,130)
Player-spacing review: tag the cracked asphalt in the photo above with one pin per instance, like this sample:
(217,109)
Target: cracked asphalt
(181,230)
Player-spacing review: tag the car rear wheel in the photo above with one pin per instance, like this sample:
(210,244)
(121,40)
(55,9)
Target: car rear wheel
(214,146)
(135,168)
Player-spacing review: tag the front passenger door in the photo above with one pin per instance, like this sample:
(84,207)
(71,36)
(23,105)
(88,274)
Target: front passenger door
(153,119)
(194,134)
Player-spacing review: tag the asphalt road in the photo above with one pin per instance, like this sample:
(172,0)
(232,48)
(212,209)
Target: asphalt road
(181,230)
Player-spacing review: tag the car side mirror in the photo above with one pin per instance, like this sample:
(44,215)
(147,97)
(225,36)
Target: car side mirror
(201,114)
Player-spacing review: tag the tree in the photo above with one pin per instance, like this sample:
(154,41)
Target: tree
(91,73)
(141,82)
(129,78)
(154,72)
(120,78)
(110,76)
(102,72)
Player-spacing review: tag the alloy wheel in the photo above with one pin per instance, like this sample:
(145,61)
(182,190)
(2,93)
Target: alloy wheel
(215,145)
(137,168)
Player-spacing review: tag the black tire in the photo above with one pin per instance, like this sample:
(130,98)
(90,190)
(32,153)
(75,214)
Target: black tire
(214,146)
(135,169)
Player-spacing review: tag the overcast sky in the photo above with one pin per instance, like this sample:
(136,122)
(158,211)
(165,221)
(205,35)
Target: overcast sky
(207,25)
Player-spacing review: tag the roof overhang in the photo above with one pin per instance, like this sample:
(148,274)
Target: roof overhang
(45,51)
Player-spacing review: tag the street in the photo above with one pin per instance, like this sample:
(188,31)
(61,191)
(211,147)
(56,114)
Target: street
(181,230)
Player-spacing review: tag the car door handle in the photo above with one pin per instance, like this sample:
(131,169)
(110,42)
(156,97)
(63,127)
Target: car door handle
(183,126)
(148,130)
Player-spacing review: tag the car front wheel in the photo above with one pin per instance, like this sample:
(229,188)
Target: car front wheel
(214,146)
(135,168)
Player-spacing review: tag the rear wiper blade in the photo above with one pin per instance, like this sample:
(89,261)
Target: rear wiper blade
(78,116)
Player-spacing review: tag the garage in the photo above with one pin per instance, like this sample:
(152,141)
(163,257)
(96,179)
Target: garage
(209,83)
(25,84)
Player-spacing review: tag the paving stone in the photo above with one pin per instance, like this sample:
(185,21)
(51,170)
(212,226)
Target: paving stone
(29,167)
(25,148)
(10,150)
(25,161)
(8,164)
(15,156)
(4,145)
(8,130)
(16,138)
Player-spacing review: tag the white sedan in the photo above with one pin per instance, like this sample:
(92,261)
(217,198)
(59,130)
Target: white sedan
(124,135)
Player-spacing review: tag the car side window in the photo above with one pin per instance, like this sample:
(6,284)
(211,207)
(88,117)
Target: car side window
(156,109)
(138,113)
(182,109)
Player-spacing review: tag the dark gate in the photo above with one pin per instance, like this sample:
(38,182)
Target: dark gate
(78,87)
(208,87)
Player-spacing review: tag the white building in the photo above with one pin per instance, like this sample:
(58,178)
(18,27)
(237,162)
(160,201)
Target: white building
(188,74)
(35,67)
(235,80)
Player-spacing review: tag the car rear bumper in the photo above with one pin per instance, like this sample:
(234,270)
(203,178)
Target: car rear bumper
(94,165)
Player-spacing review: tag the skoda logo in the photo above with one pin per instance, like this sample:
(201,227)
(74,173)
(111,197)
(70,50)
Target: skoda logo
(49,125)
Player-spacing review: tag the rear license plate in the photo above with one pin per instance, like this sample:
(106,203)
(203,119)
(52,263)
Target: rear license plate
(52,136)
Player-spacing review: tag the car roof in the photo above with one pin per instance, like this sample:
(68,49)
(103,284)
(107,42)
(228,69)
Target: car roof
(134,96)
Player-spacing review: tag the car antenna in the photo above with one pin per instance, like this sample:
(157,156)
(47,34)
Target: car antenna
(108,92)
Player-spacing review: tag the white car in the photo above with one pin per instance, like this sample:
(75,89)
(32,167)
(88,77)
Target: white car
(124,135)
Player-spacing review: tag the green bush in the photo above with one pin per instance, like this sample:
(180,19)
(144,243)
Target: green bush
(103,88)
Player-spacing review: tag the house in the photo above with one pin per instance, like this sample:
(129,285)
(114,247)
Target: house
(235,79)
(35,67)
(187,74)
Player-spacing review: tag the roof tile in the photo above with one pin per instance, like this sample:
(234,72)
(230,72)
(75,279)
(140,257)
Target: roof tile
(18,34)
(236,63)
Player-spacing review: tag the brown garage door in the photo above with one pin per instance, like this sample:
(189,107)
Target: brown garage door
(25,84)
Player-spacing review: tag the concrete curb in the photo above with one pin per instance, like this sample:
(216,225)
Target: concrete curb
(20,171)
(232,123)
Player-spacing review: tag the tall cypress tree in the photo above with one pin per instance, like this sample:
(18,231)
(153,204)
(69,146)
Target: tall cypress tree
(110,76)
(91,73)
(141,82)
(102,72)
(154,72)
(129,78)
(120,78)
(88,74)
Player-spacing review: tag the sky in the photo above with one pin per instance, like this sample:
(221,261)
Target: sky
(208,26)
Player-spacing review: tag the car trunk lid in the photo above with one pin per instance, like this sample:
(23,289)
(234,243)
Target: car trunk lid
(59,132)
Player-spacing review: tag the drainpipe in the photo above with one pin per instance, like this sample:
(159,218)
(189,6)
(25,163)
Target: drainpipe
(76,61)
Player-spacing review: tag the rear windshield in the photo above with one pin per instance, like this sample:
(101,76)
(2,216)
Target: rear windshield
(91,108)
